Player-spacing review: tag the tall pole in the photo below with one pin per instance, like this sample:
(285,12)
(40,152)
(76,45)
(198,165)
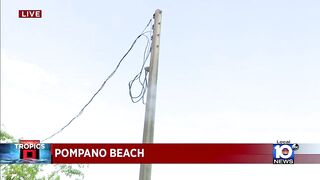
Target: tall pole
(148,131)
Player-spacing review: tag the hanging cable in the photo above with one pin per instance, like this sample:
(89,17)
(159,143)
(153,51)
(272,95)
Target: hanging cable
(104,82)
(141,77)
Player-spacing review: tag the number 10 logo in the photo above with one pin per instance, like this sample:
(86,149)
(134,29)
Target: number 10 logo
(283,151)
(283,154)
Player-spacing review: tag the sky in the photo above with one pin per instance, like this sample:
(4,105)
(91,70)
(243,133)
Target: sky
(229,72)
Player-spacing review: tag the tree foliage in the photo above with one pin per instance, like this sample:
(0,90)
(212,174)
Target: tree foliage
(5,137)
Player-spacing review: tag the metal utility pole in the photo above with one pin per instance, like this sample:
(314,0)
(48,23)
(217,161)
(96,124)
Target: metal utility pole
(148,131)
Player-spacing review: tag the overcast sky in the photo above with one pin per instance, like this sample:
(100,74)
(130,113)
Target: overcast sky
(230,71)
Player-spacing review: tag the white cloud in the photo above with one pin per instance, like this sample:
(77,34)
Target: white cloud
(23,74)
(24,100)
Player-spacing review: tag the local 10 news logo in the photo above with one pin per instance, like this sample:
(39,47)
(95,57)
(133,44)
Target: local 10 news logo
(283,153)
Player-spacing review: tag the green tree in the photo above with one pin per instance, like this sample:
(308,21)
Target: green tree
(36,171)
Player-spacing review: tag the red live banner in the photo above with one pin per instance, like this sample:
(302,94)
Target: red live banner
(30,13)
(161,153)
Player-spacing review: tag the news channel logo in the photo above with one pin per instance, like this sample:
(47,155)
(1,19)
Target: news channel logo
(284,153)
(25,152)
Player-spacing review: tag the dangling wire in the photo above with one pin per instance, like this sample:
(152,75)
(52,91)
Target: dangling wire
(142,76)
(143,34)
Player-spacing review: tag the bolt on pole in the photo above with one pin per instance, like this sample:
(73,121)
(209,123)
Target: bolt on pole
(148,131)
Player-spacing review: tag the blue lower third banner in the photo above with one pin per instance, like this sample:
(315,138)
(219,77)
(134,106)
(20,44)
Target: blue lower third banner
(25,153)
